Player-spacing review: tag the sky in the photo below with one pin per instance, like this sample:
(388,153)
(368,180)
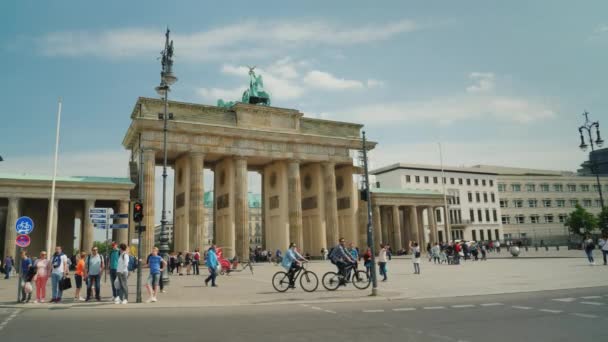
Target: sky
(496,82)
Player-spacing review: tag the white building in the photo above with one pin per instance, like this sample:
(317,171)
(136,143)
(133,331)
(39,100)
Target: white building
(471,196)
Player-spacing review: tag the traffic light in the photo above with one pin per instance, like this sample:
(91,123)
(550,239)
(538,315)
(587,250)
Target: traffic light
(138,212)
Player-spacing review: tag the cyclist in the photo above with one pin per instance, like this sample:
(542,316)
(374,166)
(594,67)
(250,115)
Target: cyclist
(292,262)
(342,259)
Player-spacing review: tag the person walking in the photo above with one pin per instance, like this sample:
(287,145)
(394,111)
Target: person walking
(435,252)
(188,262)
(367,261)
(79,276)
(211,262)
(604,246)
(415,256)
(589,246)
(113,260)
(24,277)
(59,263)
(180,263)
(43,270)
(196,260)
(382,260)
(122,274)
(8,266)
(93,268)
(156,265)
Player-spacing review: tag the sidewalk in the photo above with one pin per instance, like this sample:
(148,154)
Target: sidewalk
(495,276)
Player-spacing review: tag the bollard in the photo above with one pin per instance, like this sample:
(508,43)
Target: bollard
(547,248)
(536,247)
(526,248)
(557,248)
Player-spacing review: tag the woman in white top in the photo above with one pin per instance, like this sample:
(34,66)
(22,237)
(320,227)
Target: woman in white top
(382,261)
(415,256)
(603,242)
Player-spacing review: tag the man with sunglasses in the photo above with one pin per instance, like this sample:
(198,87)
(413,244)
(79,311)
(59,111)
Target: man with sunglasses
(93,267)
(341,259)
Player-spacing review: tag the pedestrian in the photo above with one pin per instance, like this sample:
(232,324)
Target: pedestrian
(24,277)
(8,266)
(43,270)
(435,251)
(589,246)
(79,276)
(93,268)
(156,265)
(278,256)
(196,259)
(428,251)
(60,271)
(415,256)
(180,263)
(484,252)
(382,260)
(211,263)
(172,262)
(604,246)
(367,261)
(188,263)
(354,253)
(497,246)
(113,260)
(122,274)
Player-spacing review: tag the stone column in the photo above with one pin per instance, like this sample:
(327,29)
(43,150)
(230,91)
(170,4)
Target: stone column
(407,235)
(149,177)
(241,208)
(10,234)
(55,207)
(87,227)
(331,203)
(421,231)
(78,214)
(197,207)
(396,228)
(413,214)
(294,189)
(122,234)
(434,230)
(377,227)
(384,225)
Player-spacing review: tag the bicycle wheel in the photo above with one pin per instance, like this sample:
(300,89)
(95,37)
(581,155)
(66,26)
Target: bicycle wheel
(309,281)
(331,281)
(280,281)
(361,280)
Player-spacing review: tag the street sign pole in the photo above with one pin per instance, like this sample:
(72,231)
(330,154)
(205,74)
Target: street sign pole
(139,229)
(370,228)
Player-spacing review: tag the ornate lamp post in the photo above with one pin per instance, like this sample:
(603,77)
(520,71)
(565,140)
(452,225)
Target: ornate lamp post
(588,127)
(166,80)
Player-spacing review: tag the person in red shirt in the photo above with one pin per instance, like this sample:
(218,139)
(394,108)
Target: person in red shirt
(196,260)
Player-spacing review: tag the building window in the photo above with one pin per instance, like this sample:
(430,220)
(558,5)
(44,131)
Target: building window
(549,218)
(535,219)
(560,203)
(474,232)
(596,187)
(438,215)
(483,182)
(459,181)
(476,182)
(547,203)
(468,181)
(493,197)
(530,187)
(544,187)
(426,179)
(503,203)
(573,202)
(585,187)
(598,203)
(562,218)
(516,187)
(472,215)
(572,187)
(502,188)
(417,179)
(485,197)
(506,219)
(435,180)
(491,182)
(518,203)
(470,197)
(520,219)
(458,200)
(532,203)
(487,215)
(408,179)
(558,187)
(586,203)
(452,181)
(477,197)
(494,215)
(481,236)
(479,215)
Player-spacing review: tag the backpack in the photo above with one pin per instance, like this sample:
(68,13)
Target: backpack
(332,255)
(132,263)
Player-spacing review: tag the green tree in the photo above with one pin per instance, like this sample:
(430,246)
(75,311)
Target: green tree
(580,218)
(602,219)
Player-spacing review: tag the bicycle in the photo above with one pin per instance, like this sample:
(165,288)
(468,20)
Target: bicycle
(308,280)
(332,280)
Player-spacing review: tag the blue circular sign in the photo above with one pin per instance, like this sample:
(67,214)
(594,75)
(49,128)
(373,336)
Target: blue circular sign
(24,225)
(23,241)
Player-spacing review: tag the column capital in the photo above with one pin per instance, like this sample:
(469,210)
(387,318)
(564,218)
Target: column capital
(328,164)
(239,158)
(294,161)
(196,154)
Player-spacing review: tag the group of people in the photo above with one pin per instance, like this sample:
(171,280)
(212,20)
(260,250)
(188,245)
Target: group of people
(188,260)
(589,246)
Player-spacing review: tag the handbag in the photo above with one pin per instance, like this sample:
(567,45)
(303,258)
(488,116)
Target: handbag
(65,284)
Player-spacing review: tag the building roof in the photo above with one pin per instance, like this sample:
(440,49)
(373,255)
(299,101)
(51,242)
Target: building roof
(255,200)
(404,191)
(74,179)
(520,171)
(423,167)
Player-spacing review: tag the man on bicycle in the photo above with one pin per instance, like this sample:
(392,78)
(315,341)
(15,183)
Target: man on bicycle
(292,262)
(342,259)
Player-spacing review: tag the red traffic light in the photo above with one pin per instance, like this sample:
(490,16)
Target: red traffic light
(138,212)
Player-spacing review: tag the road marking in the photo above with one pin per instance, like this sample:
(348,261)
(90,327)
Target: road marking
(522,307)
(463,306)
(404,309)
(372,311)
(551,311)
(315,308)
(584,315)
(591,297)
(433,307)
(492,304)
(305,305)
(592,303)
(329,311)
(566,300)
(9,318)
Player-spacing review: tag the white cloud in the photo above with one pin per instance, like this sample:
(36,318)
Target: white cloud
(327,81)
(372,83)
(484,82)
(603,28)
(227,42)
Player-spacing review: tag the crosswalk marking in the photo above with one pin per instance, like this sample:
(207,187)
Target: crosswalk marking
(566,300)
(592,303)
(433,307)
(492,304)
(551,311)
(463,306)
(522,307)
(591,297)
(372,311)
(584,315)
(404,309)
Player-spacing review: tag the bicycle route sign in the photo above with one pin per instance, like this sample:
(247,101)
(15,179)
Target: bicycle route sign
(24,225)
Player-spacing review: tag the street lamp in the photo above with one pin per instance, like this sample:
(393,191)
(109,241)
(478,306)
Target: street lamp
(166,80)
(588,127)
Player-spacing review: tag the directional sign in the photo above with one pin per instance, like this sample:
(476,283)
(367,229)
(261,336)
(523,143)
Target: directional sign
(102,221)
(119,216)
(23,240)
(119,226)
(98,216)
(101,225)
(98,210)
(24,225)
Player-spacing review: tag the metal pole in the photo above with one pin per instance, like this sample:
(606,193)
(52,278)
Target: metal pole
(370,226)
(52,203)
(163,220)
(140,195)
(107,263)
(18,275)
(446,216)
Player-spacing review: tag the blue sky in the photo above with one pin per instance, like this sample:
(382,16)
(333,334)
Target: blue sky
(498,82)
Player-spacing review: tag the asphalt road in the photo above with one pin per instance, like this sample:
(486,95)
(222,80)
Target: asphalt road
(565,315)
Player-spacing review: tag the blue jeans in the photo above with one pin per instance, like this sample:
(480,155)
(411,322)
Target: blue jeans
(112,278)
(56,289)
(383,269)
(212,275)
(604,253)
(97,279)
(589,253)
(8,270)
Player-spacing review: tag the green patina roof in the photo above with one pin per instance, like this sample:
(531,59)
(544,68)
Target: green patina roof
(255,200)
(405,191)
(77,179)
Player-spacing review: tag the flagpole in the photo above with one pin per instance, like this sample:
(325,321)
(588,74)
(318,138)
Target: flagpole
(446,216)
(49,229)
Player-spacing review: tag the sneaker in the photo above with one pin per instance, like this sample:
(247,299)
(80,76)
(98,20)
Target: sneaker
(150,300)
(81,299)
(154,299)
(124,301)
(42,301)
(116,300)
(163,291)
(36,301)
